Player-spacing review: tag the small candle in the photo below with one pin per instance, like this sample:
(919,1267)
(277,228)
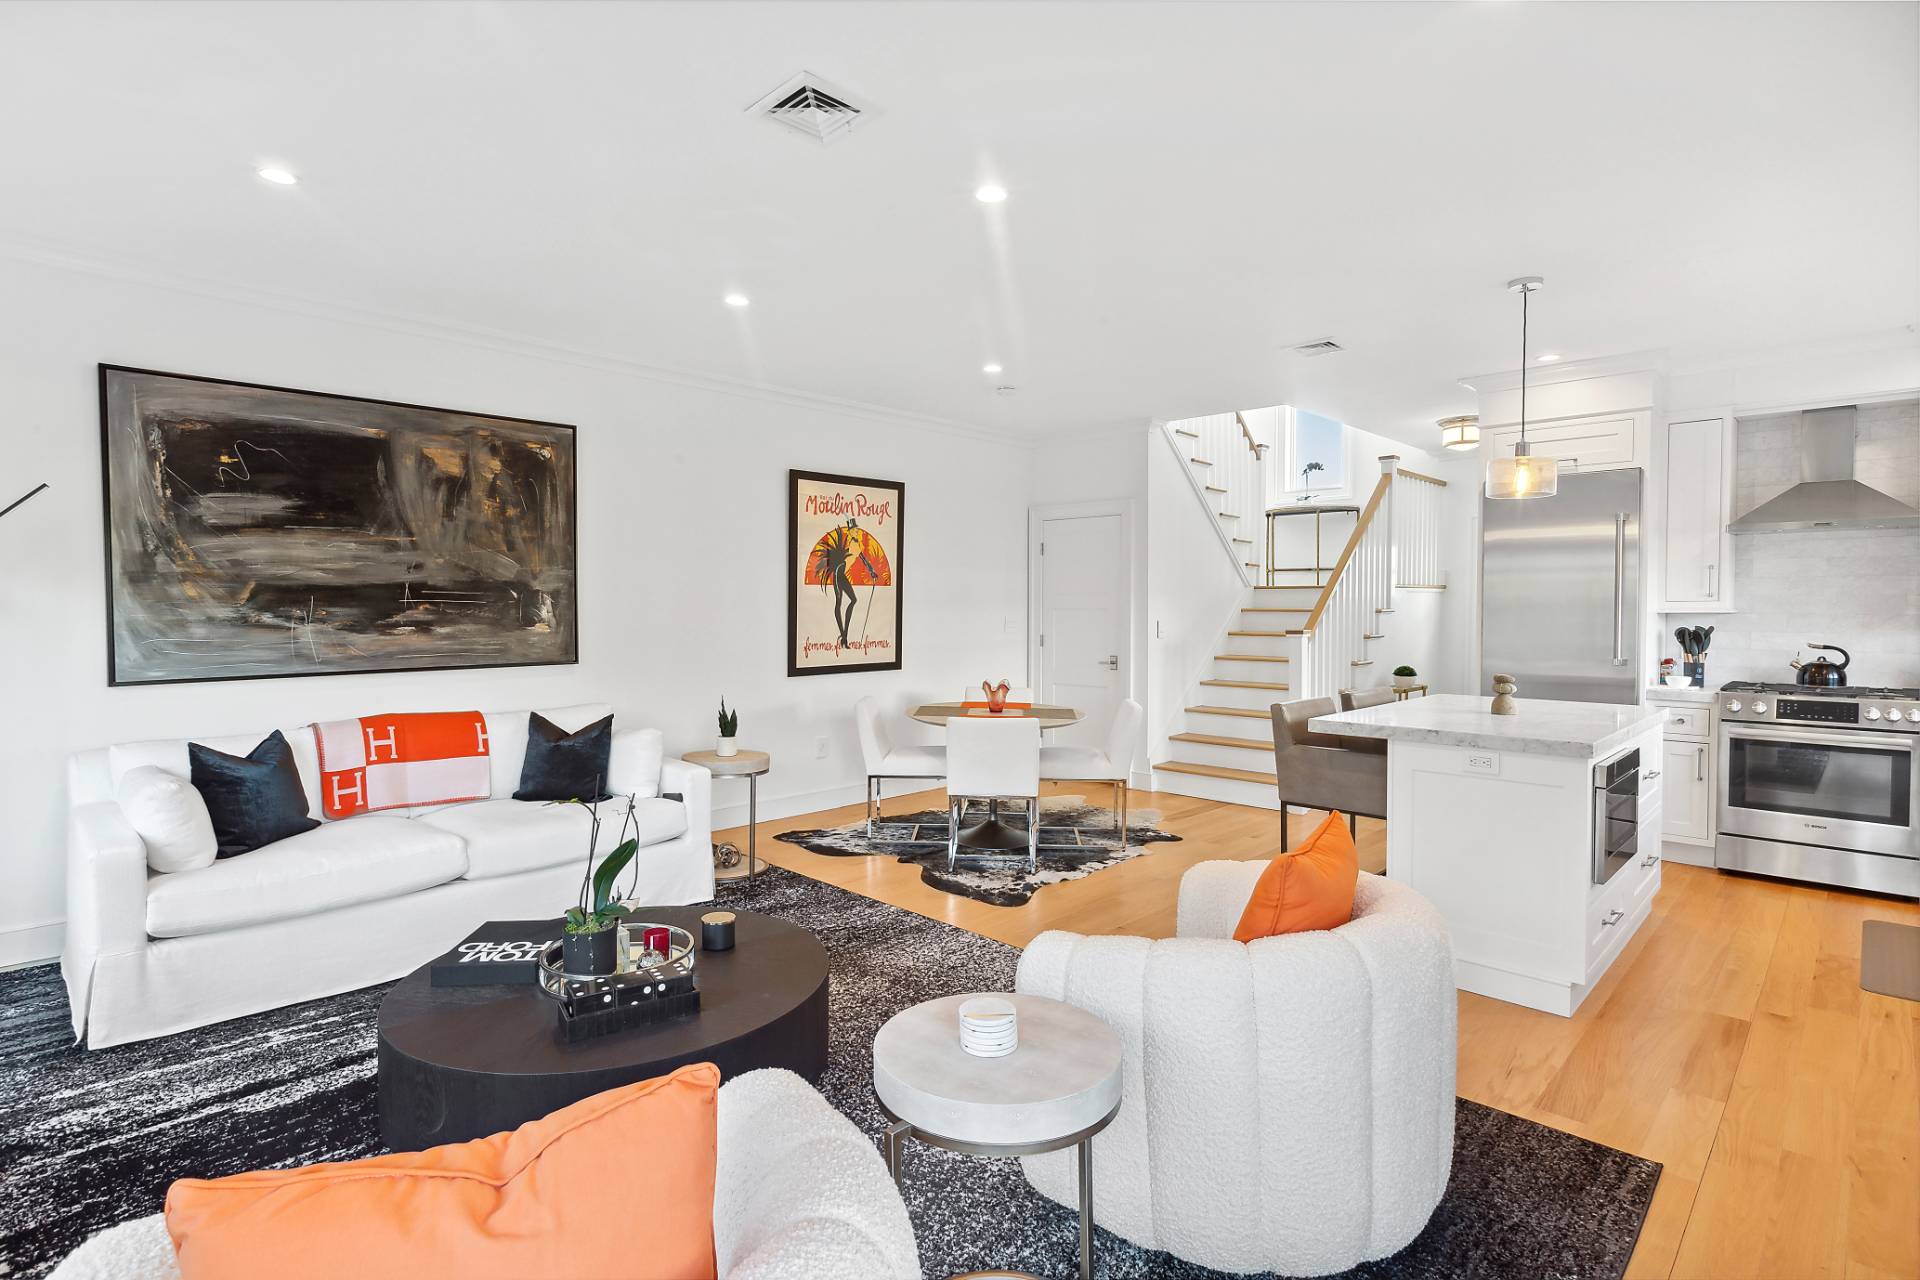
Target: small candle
(716,931)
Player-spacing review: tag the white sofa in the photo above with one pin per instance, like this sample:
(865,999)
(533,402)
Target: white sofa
(352,902)
(1288,1102)
(799,1194)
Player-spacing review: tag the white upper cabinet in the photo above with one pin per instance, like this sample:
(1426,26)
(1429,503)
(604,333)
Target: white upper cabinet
(1598,443)
(1696,466)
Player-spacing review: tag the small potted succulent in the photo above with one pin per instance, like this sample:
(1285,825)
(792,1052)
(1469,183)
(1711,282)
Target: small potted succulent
(729,728)
(590,939)
(1404,677)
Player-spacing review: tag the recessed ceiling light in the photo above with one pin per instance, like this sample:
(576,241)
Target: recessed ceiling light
(990,194)
(989,368)
(1545,357)
(736,300)
(277,176)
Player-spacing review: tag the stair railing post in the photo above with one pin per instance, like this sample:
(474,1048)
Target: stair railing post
(1389,463)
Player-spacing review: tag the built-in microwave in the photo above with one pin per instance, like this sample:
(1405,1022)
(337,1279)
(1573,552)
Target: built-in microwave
(1616,814)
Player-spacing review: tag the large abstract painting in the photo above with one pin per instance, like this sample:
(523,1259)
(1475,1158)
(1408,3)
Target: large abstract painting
(258,531)
(843,573)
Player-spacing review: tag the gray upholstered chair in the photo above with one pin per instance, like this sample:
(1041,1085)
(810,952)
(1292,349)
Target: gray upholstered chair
(1321,771)
(1354,699)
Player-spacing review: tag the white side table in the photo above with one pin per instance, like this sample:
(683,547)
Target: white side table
(741,764)
(1058,1089)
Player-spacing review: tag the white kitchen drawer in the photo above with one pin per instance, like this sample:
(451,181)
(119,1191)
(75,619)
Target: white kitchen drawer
(1689,722)
(1612,909)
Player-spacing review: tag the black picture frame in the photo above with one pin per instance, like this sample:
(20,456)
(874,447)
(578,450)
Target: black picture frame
(112,568)
(795,571)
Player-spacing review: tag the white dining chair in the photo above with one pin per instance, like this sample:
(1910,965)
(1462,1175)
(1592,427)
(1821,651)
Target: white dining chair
(884,760)
(1110,764)
(993,759)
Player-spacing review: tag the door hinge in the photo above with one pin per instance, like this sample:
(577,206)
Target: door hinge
(1043,639)
(1043,548)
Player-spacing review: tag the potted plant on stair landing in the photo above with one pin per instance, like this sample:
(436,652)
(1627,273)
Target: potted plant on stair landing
(729,727)
(1405,677)
(590,939)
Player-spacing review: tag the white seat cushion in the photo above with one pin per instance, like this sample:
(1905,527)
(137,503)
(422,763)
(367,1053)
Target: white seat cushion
(335,865)
(914,762)
(506,837)
(1068,763)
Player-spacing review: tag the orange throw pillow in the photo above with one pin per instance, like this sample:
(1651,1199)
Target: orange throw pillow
(619,1184)
(1311,888)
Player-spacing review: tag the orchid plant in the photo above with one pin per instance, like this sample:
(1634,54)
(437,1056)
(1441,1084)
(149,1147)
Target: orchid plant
(599,907)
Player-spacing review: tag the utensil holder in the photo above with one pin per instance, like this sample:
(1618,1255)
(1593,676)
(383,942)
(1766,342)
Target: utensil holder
(1696,673)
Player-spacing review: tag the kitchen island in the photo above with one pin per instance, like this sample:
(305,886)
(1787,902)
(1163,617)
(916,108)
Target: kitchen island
(1525,831)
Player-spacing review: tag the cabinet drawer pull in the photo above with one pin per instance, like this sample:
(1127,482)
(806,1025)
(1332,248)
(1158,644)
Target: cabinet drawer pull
(1699,764)
(1613,917)
(1650,775)
(1650,859)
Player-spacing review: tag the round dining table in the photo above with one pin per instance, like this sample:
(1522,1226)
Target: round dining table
(994,835)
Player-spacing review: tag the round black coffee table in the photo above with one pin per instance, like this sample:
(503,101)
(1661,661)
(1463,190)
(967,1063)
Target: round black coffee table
(462,1062)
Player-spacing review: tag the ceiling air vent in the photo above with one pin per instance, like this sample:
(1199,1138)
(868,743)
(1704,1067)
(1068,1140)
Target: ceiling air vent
(1318,347)
(811,106)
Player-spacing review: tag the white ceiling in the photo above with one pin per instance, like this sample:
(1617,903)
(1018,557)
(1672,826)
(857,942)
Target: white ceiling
(1194,187)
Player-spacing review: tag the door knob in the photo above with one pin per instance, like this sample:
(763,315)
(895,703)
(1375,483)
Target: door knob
(1113,662)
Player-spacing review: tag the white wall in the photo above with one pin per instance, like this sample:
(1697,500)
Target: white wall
(682,549)
(1859,589)
(1193,591)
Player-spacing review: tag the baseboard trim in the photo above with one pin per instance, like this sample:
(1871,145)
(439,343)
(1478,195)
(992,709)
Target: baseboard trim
(35,944)
(734,812)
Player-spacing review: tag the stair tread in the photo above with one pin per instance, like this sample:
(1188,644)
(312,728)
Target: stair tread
(1268,608)
(1374,635)
(1214,488)
(1361,662)
(1248,657)
(1218,771)
(1243,712)
(1243,684)
(1199,462)
(1270,634)
(1182,431)
(1289,586)
(1222,740)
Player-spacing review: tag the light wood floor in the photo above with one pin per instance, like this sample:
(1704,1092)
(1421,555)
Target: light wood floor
(1731,1042)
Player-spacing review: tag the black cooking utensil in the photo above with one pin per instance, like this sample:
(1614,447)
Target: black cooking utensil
(1680,634)
(1706,638)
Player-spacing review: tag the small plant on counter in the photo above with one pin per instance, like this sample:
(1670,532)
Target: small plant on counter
(1405,671)
(1404,677)
(729,726)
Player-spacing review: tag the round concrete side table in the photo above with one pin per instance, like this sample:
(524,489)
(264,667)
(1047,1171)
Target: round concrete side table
(1060,1087)
(741,764)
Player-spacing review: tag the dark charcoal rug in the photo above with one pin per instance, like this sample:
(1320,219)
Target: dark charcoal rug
(1076,839)
(91,1139)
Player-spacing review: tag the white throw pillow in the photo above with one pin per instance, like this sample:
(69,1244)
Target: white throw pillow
(633,766)
(171,817)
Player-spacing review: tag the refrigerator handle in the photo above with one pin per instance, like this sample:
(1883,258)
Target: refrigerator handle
(1620,589)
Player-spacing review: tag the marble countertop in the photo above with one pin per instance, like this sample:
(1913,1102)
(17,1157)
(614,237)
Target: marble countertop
(1582,730)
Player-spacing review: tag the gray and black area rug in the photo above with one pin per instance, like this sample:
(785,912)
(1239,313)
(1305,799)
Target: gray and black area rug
(91,1139)
(1076,839)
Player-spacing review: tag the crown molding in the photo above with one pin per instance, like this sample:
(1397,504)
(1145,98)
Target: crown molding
(42,254)
(1541,375)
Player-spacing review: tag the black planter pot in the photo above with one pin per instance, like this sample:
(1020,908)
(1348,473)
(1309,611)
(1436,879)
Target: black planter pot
(597,954)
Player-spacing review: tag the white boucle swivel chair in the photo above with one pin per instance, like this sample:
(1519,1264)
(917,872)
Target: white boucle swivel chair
(1288,1102)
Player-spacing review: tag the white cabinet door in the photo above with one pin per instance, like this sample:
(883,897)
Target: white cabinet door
(1582,444)
(1686,778)
(1698,574)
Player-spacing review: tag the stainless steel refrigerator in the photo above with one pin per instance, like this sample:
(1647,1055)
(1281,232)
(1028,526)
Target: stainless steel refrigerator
(1560,589)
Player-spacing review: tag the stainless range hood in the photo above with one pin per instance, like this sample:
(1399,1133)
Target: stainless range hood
(1827,497)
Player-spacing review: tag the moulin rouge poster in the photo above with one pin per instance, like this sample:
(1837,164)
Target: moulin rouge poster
(843,573)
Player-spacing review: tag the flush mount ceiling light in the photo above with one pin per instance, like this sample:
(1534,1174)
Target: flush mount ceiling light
(990,194)
(1462,432)
(989,368)
(1523,475)
(278,176)
(737,300)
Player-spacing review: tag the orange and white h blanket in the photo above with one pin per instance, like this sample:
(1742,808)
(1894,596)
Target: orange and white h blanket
(399,761)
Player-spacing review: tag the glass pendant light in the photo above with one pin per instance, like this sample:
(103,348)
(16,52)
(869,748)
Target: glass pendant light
(1523,475)
(1460,433)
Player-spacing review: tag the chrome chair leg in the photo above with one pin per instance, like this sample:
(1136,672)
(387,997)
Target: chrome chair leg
(1120,792)
(870,781)
(954,806)
(1033,835)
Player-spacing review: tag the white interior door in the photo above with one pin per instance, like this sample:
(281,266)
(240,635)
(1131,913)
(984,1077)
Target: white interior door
(1083,619)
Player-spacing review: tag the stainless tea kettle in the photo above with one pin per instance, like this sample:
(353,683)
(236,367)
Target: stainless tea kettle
(1820,671)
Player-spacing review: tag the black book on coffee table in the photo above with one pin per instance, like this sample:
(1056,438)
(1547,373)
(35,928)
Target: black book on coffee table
(498,953)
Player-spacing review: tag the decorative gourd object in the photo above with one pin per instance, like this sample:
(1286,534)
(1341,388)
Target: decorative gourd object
(996,696)
(1503,690)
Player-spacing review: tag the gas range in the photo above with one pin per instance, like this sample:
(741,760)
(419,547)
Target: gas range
(1845,707)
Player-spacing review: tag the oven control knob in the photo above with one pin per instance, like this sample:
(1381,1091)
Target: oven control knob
(1893,713)
(1733,704)
(1873,713)
(1759,708)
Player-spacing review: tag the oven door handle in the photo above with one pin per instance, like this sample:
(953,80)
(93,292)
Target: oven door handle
(1819,737)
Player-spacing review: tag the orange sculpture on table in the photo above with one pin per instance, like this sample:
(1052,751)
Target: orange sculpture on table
(996,696)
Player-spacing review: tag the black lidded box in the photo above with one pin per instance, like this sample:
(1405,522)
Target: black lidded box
(499,953)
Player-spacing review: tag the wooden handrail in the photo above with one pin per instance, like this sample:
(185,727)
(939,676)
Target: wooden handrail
(1415,475)
(1259,450)
(1346,553)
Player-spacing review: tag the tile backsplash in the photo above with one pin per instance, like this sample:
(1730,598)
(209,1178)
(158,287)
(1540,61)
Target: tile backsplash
(1859,589)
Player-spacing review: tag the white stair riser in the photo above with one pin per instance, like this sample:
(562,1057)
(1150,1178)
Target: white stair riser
(1227,757)
(1253,699)
(1227,726)
(1226,790)
(1269,646)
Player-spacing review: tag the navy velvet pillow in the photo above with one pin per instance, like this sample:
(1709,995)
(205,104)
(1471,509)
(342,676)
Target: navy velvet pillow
(253,799)
(565,766)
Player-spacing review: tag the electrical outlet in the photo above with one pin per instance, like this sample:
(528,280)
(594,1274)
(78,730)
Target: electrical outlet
(1483,762)
(819,748)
